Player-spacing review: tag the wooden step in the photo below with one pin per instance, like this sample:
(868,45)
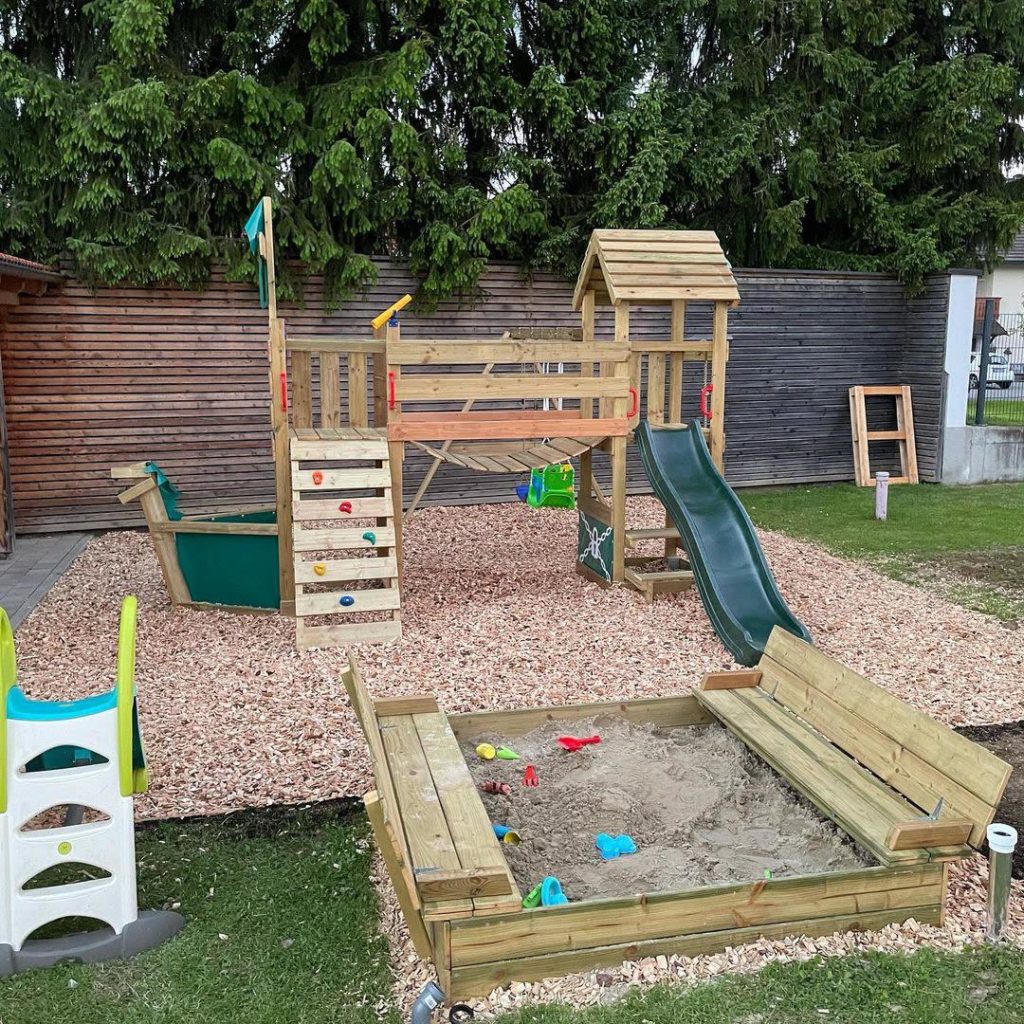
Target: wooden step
(359,479)
(343,634)
(342,539)
(651,533)
(344,570)
(327,603)
(651,584)
(338,451)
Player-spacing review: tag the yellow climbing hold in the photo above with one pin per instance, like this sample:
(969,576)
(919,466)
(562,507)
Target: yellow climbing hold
(64,848)
(319,568)
(486,751)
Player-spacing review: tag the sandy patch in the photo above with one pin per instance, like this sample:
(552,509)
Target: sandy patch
(699,806)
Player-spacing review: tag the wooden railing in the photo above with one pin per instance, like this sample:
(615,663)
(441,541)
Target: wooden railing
(601,374)
(664,362)
(600,377)
(313,359)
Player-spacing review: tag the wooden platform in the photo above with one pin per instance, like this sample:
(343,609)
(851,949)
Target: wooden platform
(827,730)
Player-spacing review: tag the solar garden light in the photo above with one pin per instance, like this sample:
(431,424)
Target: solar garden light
(1002,839)
(881,495)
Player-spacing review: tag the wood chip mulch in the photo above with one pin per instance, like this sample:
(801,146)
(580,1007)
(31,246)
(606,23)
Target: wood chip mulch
(494,616)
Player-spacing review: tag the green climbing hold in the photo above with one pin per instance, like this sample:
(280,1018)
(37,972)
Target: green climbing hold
(370,536)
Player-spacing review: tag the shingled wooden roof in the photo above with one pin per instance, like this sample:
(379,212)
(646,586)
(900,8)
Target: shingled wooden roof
(655,266)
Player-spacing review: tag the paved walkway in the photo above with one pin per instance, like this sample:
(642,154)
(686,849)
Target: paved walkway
(37,563)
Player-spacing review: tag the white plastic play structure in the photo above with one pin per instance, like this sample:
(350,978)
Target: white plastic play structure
(68,773)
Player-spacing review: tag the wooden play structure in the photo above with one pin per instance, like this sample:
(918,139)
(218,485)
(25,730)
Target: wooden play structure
(342,411)
(913,795)
(903,435)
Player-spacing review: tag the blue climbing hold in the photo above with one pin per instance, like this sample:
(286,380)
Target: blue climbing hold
(370,536)
(346,601)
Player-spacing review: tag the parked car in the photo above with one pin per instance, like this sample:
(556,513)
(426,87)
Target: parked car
(1000,374)
(1018,370)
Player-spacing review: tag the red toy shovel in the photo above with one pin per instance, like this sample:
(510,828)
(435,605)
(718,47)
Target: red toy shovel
(530,776)
(574,743)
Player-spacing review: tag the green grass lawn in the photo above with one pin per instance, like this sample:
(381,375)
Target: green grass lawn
(981,987)
(999,413)
(965,542)
(282,929)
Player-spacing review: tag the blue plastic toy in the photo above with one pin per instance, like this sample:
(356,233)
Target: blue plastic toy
(507,834)
(551,894)
(522,490)
(611,847)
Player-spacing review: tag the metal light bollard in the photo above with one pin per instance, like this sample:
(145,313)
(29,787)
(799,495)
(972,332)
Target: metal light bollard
(1002,839)
(881,495)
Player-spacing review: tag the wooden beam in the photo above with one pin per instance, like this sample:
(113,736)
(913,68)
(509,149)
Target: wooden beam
(731,680)
(462,884)
(457,427)
(418,704)
(913,835)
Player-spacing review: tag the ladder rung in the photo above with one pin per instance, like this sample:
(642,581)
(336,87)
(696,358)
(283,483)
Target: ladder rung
(652,533)
(346,633)
(327,603)
(327,508)
(337,451)
(342,540)
(339,479)
(886,435)
(345,570)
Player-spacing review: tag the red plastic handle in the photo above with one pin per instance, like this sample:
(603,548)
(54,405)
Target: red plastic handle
(391,389)
(284,392)
(636,403)
(705,394)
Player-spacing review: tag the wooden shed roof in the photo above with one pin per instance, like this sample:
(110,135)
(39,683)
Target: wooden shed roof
(655,266)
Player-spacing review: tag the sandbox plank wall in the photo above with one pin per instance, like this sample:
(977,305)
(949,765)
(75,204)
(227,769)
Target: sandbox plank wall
(95,379)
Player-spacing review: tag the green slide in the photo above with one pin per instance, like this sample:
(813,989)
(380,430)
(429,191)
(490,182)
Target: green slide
(737,587)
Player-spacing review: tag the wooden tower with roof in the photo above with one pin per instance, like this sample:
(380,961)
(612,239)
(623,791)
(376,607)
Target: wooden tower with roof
(645,268)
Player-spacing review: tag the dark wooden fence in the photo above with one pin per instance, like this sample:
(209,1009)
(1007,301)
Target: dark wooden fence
(94,379)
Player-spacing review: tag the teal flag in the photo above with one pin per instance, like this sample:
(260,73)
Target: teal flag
(254,227)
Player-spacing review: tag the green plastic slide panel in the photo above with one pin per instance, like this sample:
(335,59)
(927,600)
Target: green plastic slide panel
(734,581)
(231,569)
(595,545)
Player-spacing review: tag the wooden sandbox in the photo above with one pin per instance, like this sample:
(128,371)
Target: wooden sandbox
(873,765)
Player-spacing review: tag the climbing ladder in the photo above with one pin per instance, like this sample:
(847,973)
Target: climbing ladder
(346,563)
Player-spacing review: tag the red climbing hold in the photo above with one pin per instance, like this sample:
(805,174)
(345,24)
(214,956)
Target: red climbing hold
(318,477)
(345,506)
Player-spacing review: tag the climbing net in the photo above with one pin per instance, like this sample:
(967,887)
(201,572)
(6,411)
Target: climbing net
(595,538)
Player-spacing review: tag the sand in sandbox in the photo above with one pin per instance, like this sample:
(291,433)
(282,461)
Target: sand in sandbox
(699,806)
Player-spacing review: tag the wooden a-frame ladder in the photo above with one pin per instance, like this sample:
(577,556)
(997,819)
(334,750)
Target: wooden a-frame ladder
(903,434)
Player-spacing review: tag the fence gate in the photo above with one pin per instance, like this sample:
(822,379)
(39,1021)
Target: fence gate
(997,369)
